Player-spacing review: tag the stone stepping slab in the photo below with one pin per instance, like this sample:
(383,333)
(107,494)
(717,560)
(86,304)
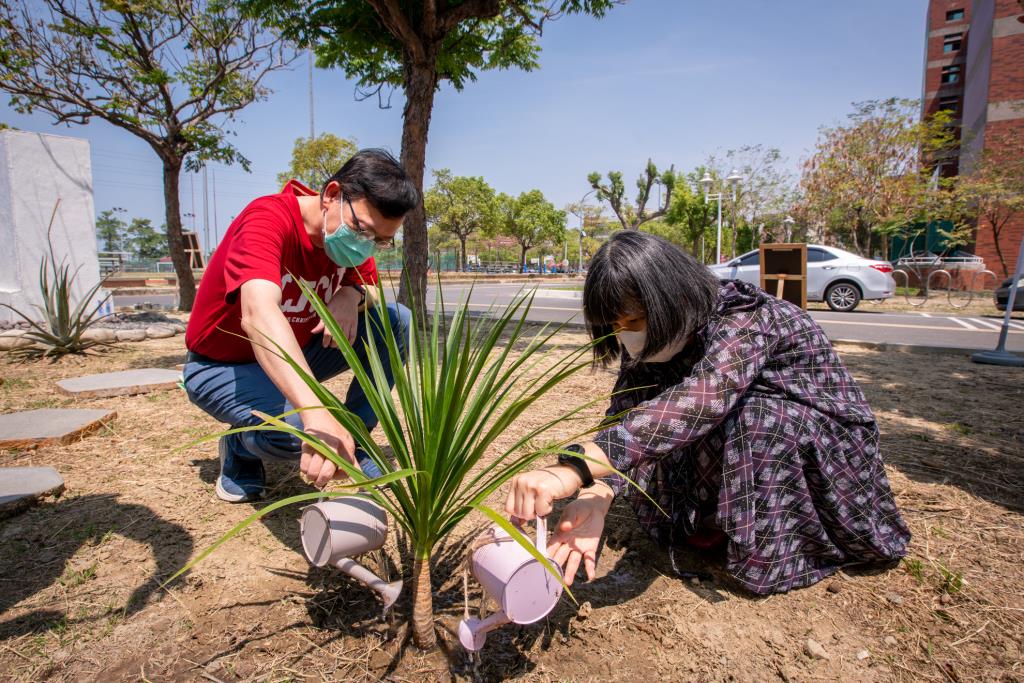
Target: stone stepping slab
(49,426)
(22,487)
(120,383)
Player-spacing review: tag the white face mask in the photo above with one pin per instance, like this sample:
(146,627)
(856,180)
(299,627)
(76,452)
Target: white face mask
(634,342)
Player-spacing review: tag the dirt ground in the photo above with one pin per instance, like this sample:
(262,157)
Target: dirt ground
(79,576)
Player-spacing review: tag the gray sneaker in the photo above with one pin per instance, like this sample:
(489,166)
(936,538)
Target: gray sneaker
(241,479)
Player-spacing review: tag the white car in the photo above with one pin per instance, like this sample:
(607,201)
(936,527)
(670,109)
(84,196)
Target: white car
(837,277)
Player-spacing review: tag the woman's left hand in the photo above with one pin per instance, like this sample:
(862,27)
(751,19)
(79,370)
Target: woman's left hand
(578,533)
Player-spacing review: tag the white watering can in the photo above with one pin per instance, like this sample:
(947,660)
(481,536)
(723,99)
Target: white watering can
(513,578)
(333,531)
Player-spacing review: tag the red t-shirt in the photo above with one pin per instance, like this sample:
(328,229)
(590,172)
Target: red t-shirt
(267,241)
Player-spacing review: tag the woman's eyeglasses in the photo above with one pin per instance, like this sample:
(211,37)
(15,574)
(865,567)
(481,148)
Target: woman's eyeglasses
(367,236)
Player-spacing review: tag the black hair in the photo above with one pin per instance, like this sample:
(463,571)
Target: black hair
(377,176)
(639,273)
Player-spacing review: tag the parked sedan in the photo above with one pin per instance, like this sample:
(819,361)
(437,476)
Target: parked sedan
(1002,294)
(839,278)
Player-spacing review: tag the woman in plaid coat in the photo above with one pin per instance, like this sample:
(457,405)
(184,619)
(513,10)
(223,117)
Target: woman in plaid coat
(734,414)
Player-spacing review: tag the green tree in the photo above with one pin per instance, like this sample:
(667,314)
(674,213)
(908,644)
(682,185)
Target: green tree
(314,160)
(417,45)
(992,184)
(146,242)
(110,230)
(531,220)
(689,213)
(867,177)
(459,206)
(171,72)
(614,192)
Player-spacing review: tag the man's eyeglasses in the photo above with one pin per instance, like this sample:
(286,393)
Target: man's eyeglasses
(364,234)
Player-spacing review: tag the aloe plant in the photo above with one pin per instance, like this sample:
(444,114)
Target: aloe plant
(64,323)
(459,390)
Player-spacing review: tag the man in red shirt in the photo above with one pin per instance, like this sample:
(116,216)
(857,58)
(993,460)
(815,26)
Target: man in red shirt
(249,292)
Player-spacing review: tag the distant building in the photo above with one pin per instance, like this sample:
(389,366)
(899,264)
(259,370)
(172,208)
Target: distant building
(974,67)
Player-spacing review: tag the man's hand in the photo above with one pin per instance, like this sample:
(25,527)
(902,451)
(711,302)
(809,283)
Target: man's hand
(344,306)
(578,534)
(316,468)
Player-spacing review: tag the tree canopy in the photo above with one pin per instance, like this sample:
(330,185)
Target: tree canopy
(171,72)
(460,206)
(314,160)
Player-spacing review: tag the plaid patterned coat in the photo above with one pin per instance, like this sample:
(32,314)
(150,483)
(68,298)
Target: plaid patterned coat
(757,429)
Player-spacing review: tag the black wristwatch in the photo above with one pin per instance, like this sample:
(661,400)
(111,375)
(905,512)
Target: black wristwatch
(577,463)
(361,290)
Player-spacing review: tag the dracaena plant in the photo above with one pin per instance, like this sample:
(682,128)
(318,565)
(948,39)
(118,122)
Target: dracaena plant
(64,322)
(466,381)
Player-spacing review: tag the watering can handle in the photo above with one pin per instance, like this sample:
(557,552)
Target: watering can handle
(542,530)
(542,534)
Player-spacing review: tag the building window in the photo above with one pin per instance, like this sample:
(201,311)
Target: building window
(952,42)
(951,74)
(950,103)
(955,15)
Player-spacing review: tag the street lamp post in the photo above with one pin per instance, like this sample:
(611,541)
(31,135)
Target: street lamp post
(789,222)
(706,182)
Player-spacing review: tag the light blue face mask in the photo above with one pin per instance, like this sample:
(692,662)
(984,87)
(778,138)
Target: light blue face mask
(345,248)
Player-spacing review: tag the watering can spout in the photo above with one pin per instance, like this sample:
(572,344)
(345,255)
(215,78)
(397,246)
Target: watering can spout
(388,592)
(473,632)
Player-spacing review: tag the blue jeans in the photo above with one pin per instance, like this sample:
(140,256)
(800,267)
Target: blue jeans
(229,392)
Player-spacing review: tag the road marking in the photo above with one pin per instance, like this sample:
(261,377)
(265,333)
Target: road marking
(967,327)
(1016,326)
(958,321)
(927,315)
(986,323)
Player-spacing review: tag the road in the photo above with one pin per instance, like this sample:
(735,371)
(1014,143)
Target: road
(865,325)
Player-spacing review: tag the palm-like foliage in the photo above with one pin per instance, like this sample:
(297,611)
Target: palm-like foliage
(64,323)
(466,381)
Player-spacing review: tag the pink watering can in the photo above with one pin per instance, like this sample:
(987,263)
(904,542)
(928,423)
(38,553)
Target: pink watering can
(513,578)
(333,531)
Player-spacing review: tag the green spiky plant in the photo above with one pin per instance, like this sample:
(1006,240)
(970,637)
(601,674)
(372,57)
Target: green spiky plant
(62,330)
(458,392)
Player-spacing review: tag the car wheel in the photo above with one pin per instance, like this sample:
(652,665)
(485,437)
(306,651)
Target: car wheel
(842,297)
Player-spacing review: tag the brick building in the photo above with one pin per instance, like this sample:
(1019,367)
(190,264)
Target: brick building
(974,67)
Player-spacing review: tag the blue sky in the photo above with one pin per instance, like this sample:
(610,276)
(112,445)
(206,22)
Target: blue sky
(674,80)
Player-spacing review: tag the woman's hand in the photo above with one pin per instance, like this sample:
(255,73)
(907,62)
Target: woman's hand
(578,534)
(533,493)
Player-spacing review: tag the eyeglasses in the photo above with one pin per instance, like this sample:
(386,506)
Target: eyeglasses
(362,233)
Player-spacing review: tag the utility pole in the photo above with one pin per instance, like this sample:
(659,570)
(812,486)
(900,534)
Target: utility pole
(192,187)
(206,213)
(312,129)
(216,232)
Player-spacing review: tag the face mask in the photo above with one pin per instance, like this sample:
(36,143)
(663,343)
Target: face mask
(344,247)
(634,342)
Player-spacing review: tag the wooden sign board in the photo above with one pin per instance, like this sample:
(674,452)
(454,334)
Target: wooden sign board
(784,272)
(196,259)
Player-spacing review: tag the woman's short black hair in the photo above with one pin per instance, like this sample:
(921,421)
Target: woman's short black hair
(377,176)
(639,273)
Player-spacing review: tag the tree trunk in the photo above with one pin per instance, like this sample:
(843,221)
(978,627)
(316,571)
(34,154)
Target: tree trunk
(522,258)
(420,85)
(995,243)
(175,240)
(462,260)
(422,605)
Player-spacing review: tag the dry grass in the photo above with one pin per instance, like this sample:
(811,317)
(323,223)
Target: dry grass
(79,576)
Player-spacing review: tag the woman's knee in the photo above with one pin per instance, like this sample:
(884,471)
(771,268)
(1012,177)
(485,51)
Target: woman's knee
(401,320)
